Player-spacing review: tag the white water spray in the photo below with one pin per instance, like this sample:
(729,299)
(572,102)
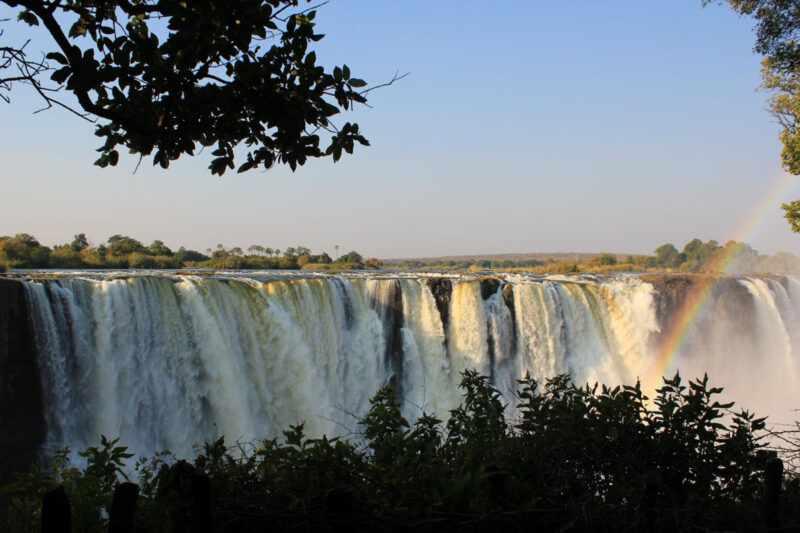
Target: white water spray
(169,361)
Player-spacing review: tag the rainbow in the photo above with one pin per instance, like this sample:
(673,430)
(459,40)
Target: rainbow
(674,338)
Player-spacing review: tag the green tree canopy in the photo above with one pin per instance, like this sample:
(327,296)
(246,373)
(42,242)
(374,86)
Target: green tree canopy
(778,40)
(190,255)
(350,257)
(159,248)
(80,242)
(692,248)
(162,77)
(23,249)
(124,245)
(256,248)
(607,259)
(707,251)
(668,256)
(792,214)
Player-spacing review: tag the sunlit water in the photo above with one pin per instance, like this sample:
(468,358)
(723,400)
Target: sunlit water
(168,360)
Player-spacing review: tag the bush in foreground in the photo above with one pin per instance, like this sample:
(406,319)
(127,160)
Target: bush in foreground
(574,458)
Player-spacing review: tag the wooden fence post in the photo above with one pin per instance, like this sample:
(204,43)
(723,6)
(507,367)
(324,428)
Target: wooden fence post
(123,508)
(56,512)
(770,508)
(192,511)
(202,512)
(340,509)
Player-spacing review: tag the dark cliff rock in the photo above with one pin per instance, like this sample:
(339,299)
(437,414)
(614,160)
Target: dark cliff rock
(729,300)
(442,290)
(489,287)
(22,426)
(735,308)
(670,290)
(782,280)
(394,341)
(508,298)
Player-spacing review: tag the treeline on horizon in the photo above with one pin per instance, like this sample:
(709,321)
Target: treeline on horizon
(696,256)
(122,252)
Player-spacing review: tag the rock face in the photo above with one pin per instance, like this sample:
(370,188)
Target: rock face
(731,302)
(442,289)
(394,340)
(508,298)
(489,287)
(22,425)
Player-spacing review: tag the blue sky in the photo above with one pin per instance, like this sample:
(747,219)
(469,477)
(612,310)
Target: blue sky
(525,126)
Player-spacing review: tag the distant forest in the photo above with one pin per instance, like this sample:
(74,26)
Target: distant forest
(123,252)
(696,256)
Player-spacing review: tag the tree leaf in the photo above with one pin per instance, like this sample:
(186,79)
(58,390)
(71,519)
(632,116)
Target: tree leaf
(28,18)
(57,56)
(77,29)
(60,75)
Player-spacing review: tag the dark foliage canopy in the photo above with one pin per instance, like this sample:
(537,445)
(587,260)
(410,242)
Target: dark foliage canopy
(162,77)
(568,459)
(777,29)
(778,40)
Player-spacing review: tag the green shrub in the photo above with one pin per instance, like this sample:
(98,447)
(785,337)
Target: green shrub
(140,260)
(167,261)
(570,458)
(90,489)
(65,257)
(317,266)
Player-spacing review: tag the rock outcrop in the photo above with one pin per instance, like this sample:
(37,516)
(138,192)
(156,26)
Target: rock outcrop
(22,425)
(442,289)
(394,340)
(489,287)
(726,296)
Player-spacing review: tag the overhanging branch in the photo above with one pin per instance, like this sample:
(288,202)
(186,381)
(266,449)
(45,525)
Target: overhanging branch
(79,67)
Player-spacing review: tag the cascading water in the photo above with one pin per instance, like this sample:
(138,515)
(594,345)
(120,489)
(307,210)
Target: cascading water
(749,342)
(168,361)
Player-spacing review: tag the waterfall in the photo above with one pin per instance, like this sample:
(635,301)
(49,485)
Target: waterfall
(749,342)
(166,361)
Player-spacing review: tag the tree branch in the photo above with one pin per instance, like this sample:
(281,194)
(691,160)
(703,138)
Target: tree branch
(79,67)
(397,77)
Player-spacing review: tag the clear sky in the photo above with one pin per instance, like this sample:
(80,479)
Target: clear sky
(524,126)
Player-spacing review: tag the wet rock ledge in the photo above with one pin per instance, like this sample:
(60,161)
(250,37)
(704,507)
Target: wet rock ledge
(22,426)
(729,300)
